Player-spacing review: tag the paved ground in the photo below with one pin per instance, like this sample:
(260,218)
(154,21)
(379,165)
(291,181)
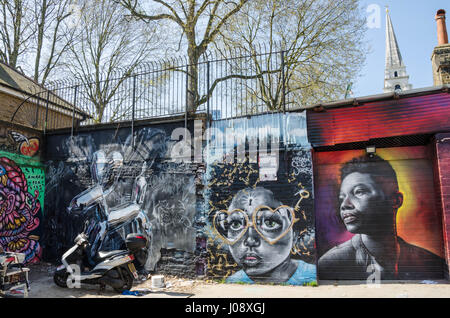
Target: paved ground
(42,286)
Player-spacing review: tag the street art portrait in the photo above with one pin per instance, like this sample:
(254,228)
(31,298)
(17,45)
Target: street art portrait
(20,207)
(375,216)
(261,231)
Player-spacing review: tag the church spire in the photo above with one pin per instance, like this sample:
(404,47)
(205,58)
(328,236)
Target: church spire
(393,56)
(395,76)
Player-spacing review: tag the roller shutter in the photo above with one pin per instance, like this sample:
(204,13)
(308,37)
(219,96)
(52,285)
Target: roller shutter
(355,223)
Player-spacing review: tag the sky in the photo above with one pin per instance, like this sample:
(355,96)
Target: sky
(415,29)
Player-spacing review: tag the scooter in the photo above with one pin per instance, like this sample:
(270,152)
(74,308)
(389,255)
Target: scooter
(111,224)
(112,268)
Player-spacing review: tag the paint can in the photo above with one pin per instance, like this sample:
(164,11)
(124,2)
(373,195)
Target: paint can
(158,281)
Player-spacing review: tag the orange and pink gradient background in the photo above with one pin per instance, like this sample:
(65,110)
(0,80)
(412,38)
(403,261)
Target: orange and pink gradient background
(418,221)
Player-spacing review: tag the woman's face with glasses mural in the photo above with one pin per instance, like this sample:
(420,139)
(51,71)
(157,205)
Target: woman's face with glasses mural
(258,229)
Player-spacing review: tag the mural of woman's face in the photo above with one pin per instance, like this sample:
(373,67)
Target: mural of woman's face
(253,250)
(364,206)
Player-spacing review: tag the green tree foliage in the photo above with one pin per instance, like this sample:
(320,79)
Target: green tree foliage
(107,50)
(200,22)
(295,52)
(322,42)
(35,35)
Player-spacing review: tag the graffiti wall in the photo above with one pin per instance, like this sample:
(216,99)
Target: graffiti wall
(110,179)
(259,207)
(22,185)
(246,217)
(376,215)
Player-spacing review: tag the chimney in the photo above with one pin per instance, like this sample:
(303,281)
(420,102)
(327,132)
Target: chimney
(441,27)
(441,54)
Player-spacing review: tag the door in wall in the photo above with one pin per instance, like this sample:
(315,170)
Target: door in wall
(377,217)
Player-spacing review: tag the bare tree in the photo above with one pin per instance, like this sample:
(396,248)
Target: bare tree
(107,51)
(200,22)
(302,51)
(35,35)
(53,35)
(15,30)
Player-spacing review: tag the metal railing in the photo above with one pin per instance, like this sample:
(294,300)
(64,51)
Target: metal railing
(229,85)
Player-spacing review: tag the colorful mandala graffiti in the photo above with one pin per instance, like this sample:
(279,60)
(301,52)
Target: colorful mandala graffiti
(18,212)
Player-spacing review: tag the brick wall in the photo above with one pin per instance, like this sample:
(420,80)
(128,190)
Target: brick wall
(26,115)
(443,175)
(441,65)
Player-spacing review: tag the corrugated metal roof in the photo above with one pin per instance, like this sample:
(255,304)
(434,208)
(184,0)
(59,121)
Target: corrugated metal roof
(374,98)
(417,112)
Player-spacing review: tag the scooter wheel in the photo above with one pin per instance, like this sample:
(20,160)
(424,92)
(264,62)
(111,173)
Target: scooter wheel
(128,283)
(60,278)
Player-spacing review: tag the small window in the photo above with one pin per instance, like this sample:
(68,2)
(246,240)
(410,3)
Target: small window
(395,74)
(398,87)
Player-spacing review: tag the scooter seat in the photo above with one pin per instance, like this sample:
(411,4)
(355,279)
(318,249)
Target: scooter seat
(107,254)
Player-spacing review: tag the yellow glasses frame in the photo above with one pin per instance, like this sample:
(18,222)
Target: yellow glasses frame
(248,224)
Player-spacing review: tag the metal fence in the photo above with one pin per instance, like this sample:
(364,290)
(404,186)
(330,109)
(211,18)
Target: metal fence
(240,84)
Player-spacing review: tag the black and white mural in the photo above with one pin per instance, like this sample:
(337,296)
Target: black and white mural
(121,185)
